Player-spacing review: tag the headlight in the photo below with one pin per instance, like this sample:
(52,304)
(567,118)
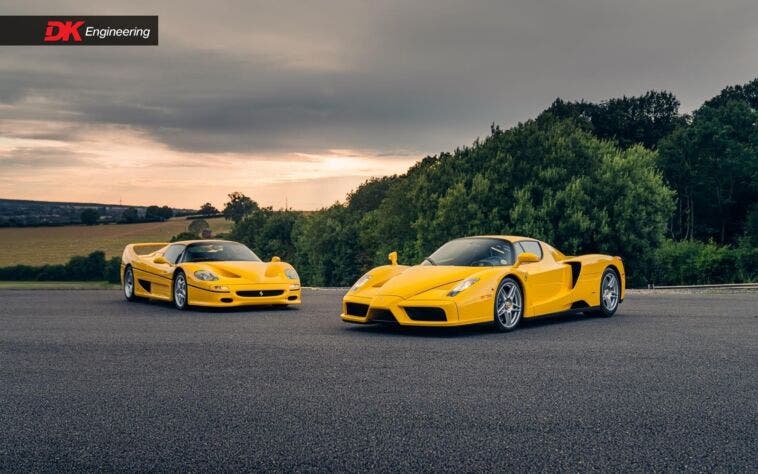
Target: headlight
(291,274)
(205,275)
(462,286)
(361,281)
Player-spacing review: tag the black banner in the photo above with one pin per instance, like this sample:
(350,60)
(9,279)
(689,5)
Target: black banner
(83,30)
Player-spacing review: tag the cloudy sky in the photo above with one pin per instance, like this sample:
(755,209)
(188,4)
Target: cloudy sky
(305,99)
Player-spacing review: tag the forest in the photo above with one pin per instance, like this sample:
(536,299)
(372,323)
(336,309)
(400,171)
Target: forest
(673,194)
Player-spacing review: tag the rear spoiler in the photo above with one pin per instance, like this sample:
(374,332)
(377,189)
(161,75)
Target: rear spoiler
(135,250)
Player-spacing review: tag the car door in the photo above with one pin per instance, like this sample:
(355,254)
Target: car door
(164,272)
(546,279)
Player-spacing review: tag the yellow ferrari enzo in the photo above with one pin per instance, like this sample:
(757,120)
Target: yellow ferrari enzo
(499,279)
(206,273)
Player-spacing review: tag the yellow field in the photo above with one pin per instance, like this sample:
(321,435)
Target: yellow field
(40,245)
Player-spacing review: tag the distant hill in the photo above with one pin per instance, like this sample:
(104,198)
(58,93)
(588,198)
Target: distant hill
(25,213)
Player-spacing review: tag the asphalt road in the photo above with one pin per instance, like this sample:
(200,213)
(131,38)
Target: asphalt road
(88,381)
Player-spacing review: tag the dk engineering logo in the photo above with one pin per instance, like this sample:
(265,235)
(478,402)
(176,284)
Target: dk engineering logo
(79,30)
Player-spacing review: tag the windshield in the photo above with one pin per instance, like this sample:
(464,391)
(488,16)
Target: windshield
(219,252)
(473,252)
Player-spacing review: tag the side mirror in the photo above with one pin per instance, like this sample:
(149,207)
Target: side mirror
(160,260)
(526,257)
(276,259)
(393,258)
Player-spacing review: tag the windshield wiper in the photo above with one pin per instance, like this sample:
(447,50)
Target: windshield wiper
(427,259)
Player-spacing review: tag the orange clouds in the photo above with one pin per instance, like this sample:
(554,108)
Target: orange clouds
(49,161)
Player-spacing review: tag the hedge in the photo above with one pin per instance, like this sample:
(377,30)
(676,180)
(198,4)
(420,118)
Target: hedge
(693,263)
(93,267)
(675,263)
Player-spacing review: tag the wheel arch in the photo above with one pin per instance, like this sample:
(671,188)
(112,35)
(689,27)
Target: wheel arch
(615,269)
(124,268)
(520,282)
(622,284)
(177,271)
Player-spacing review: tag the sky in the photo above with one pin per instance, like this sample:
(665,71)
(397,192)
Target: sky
(299,102)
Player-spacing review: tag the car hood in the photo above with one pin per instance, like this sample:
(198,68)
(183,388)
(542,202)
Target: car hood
(423,278)
(253,272)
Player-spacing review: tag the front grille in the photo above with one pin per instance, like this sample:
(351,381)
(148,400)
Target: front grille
(356,309)
(382,316)
(421,313)
(259,293)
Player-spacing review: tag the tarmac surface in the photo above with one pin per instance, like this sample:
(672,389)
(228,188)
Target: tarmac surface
(91,382)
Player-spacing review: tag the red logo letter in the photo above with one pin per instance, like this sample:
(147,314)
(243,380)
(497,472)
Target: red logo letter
(65,31)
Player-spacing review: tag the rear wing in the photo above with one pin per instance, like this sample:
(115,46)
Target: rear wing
(133,251)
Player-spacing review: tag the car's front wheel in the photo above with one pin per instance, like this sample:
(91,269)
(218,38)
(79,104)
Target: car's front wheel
(180,293)
(129,284)
(509,305)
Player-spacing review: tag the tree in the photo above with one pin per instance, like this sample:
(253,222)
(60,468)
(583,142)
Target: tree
(153,213)
(186,235)
(238,207)
(166,212)
(747,93)
(370,194)
(130,215)
(712,163)
(208,209)
(157,213)
(545,178)
(645,119)
(90,216)
(248,229)
(197,226)
(751,226)
(327,254)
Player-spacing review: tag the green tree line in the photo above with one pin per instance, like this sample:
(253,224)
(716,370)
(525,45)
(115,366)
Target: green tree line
(673,194)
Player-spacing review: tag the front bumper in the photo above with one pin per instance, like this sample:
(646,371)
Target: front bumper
(246,295)
(406,312)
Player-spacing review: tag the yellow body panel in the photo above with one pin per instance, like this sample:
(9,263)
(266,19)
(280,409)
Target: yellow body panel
(239,283)
(553,284)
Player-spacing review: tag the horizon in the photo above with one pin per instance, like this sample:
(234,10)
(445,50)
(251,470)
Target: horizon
(296,105)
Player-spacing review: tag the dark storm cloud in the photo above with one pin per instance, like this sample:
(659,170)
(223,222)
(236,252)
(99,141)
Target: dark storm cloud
(43,157)
(308,76)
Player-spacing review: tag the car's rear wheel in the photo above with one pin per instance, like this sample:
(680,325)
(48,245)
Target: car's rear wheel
(129,284)
(180,294)
(509,305)
(610,293)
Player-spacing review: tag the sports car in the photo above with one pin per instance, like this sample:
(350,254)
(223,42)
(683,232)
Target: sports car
(216,273)
(499,279)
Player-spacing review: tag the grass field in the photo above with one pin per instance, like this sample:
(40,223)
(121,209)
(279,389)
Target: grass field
(40,245)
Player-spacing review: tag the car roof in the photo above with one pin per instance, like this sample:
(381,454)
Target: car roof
(200,241)
(510,238)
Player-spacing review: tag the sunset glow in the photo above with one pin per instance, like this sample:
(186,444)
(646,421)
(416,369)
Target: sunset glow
(112,164)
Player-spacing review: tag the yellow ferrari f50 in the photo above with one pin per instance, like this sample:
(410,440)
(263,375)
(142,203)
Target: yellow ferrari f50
(206,273)
(499,279)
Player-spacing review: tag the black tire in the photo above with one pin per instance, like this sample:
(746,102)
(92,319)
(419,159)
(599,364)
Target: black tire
(610,294)
(129,284)
(509,305)
(179,291)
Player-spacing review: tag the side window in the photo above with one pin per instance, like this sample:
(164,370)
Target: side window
(173,252)
(530,246)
